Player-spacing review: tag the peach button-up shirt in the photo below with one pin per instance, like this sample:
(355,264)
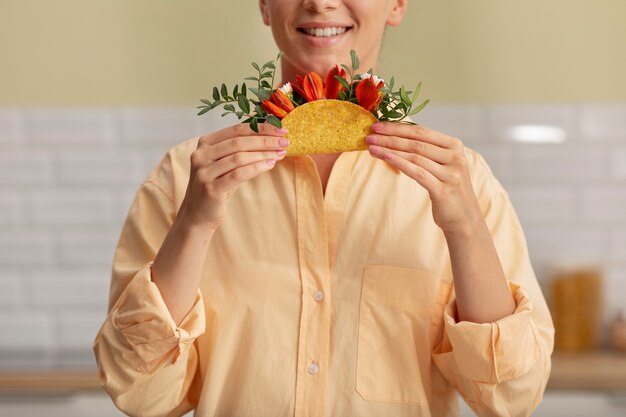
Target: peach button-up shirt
(311,304)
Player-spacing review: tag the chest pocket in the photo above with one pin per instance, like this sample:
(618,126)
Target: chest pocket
(400,313)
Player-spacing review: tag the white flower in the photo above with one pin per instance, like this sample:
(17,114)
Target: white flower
(287,89)
(375,78)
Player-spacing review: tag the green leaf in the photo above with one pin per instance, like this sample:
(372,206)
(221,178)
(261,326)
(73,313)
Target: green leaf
(224,91)
(404,96)
(274,121)
(244,90)
(224,114)
(343,82)
(267,74)
(265,94)
(266,84)
(347,68)
(235,90)
(216,94)
(270,65)
(394,114)
(216,103)
(229,107)
(251,78)
(355,59)
(204,110)
(254,124)
(256,66)
(417,91)
(419,108)
(267,64)
(402,106)
(261,94)
(205,101)
(243,103)
(391,84)
(259,110)
(239,114)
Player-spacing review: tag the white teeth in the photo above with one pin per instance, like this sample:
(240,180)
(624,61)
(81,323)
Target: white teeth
(325,32)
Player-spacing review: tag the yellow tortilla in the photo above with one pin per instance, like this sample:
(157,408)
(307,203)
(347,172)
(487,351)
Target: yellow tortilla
(327,126)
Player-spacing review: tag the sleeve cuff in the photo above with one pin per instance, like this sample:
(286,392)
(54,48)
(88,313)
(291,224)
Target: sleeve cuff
(493,352)
(142,317)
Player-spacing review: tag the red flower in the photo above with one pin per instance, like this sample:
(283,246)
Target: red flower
(368,95)
(332,86)
(310,87)
(281,104)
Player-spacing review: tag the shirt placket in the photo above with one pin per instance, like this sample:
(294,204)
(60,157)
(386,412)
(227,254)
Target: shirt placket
(315,315)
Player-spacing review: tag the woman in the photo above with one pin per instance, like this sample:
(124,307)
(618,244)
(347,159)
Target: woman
(363,284)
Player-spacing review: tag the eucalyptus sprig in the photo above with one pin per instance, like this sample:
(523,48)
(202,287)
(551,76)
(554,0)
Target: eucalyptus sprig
(394,106)
(397,105)
(247,107)
(348,94)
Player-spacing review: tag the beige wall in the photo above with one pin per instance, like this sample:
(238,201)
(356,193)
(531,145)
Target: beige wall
(164,52)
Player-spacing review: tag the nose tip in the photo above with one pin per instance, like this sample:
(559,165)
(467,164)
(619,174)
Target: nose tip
(320,5)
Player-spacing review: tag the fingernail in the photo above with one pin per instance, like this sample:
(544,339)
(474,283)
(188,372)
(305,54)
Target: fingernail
(371,139)
(377,127)
(375,150)
(284,142)
(281,153)
(271,162)
(283,130)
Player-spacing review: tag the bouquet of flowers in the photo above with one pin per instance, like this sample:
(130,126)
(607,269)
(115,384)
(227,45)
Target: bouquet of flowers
(322,116)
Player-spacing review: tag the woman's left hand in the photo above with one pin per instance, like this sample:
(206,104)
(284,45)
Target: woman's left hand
(437,162)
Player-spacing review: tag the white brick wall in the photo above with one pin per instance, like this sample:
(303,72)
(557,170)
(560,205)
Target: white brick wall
(10,291)
(67,177)
(10,210)
(25,168)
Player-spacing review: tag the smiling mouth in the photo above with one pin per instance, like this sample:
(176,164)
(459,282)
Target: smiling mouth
(324,32)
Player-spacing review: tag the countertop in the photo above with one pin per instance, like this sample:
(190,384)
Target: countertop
(594,371)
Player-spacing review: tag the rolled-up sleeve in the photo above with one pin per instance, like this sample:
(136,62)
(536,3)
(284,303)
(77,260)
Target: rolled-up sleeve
(498,351)
(142,317)
(147,363)
(501,368)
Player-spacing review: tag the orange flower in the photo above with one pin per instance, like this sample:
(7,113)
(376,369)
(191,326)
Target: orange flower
(281,104)
(332,86)
(368,94)
(310,87)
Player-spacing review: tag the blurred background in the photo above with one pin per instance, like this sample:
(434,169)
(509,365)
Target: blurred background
(93,93)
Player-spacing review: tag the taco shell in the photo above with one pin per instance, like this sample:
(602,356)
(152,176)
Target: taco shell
(327,126)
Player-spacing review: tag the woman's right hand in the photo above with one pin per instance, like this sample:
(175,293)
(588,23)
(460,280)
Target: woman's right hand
(222,161)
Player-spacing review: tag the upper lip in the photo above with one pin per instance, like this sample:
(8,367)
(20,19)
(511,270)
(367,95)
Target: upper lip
(323,25)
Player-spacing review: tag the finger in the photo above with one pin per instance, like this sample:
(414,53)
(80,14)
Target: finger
(417,132)
(418,173)
(233,178)
(242,129)
(246,144)
(436,153)
(437,170)
(238,160)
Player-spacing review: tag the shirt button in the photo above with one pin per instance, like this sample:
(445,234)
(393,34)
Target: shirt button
(318,296)
(313,368)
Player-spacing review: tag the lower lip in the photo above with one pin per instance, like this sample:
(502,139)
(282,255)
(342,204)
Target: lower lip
(323,41)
